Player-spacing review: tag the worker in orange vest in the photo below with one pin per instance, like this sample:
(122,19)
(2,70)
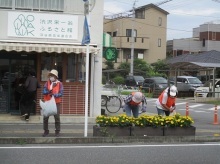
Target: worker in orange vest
(165,103)
(134,102)
(53,87)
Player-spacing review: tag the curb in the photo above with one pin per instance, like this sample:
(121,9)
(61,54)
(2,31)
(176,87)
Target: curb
(97,140)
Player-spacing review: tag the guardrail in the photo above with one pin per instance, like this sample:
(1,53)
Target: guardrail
(213,96)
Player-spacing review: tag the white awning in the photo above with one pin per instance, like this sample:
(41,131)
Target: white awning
(28,47)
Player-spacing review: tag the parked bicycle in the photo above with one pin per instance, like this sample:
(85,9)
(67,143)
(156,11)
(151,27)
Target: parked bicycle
(112,99)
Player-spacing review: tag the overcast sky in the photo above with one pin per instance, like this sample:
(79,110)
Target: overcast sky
(184,15)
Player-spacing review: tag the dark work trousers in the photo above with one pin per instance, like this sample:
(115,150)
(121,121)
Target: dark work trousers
(57,120)
(27,103)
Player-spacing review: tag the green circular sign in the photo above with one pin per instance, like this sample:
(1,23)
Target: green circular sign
(111,53)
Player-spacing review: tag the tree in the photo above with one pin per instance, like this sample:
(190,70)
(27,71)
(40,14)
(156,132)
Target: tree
(109,65)
(161,68)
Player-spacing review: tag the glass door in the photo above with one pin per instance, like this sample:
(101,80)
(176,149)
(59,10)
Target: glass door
(4,89)
(19,72)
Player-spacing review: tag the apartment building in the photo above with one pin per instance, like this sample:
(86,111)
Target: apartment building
(206,37)
(149,24)
(42,35)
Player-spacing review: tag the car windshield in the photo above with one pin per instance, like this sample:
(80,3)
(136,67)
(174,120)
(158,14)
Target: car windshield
(208,83)
(161,81)
(194,81)
(139,78)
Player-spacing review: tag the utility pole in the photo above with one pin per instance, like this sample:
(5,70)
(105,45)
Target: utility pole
(132,41)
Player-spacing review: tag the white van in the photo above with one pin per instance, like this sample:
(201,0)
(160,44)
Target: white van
(186,83)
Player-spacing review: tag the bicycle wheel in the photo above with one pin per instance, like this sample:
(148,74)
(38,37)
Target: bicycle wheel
(103,100)
(113,104)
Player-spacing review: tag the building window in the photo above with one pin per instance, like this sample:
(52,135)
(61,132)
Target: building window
(159,21)
(179,52)
(213,35)
(40,5)
(203,42)
(159,42)
(142,40)
(51,61)
(129,32)
(114,34)
(109,33)
(76,68)
(5,3)
(140,14)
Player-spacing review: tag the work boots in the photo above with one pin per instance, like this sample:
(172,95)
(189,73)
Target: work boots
(46,133)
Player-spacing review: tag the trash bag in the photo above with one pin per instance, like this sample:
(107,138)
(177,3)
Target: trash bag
(49,108)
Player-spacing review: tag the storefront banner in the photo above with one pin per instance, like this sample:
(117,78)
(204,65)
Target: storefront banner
(42,25)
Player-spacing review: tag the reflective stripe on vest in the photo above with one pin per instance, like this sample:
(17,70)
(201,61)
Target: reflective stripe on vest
(170,101)
(55,90)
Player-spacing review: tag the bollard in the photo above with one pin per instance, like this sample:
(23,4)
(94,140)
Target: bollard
(215,122)
(187,109)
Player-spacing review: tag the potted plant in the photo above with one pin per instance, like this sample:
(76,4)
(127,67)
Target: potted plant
(144,125)
(178,125)
(112,126)
(147,126)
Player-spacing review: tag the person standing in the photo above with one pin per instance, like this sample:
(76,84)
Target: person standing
(29,96)
(134,102)
(53,87)
(165,103)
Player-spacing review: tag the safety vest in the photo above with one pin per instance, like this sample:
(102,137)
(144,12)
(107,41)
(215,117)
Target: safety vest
(170,101)
(132,103)
(55,90)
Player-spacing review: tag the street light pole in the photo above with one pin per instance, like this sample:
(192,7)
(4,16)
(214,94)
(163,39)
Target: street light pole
(132,41)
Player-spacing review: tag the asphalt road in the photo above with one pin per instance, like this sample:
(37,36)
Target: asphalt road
(111,154)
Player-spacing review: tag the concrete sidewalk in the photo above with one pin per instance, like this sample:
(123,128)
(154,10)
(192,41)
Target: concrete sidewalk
(14,130)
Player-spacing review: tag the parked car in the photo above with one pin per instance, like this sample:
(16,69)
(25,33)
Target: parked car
(153,83)
(204,91)
(186,83)
(134,81)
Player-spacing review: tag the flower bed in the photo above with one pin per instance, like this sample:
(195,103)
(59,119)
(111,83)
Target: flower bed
(144,125)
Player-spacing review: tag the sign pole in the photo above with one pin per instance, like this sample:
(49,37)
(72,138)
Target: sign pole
(86,40)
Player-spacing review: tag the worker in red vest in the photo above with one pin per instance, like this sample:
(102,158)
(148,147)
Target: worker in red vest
(53,87)
(134,102)
(165,104)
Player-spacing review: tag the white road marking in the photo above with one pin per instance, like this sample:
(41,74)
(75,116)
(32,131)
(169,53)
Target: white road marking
(151,100)
(197,105)
(199,111)
(181,103)
(213,108)
(113,146)
(181,109)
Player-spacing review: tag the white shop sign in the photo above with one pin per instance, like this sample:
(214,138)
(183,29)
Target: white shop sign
(41,25)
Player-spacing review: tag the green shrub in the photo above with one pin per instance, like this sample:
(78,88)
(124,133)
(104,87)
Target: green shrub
(118,80)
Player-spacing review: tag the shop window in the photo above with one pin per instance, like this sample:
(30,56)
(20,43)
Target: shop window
(76,68)
(49,62)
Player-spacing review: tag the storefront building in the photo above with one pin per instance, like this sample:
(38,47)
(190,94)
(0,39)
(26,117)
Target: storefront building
(43,35)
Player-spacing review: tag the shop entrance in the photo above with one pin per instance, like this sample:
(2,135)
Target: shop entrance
(14,69)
